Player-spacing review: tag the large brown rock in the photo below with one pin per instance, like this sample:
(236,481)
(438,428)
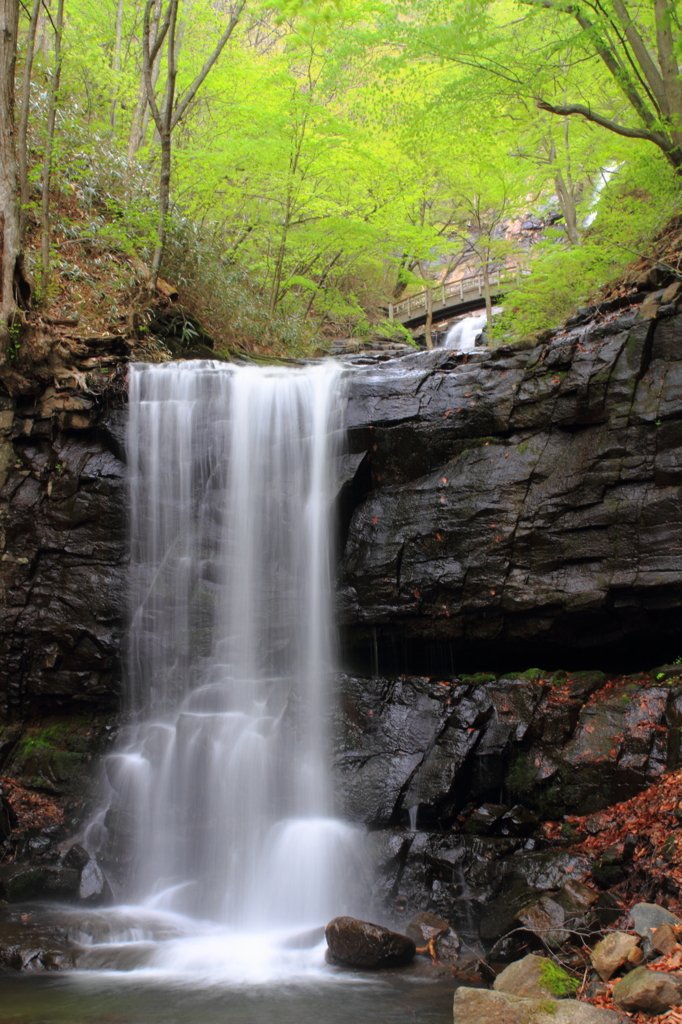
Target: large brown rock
(535,977)
(612,952)
(481,1006)
(646,991)
(354,943)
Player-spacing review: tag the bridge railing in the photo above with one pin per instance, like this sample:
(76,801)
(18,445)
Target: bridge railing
(464,290)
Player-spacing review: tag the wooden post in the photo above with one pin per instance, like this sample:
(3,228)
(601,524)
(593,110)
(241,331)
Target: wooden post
(409,307)
(390,311)
(429,318)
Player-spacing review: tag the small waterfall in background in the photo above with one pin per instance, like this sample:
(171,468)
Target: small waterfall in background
(224,779)
(463,334)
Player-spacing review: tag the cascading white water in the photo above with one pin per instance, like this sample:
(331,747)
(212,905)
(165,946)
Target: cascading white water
(463,334)
(225,777)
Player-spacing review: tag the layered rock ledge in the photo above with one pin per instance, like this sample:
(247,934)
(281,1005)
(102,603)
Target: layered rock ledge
(519,505)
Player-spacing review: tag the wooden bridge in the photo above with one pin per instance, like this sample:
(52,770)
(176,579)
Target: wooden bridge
(450,299)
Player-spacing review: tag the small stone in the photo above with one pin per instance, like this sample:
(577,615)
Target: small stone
(484,819)
(664,939)
(546,919)
(612,952)
(580,894)
(647,917)
(635,956)
(518,822)
(646,991)
(76,857)
(424,927)
(671,293)
(535,977)
(649,308)
(354,943)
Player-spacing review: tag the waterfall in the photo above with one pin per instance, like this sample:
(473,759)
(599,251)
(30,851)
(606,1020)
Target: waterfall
(463,334)
(223,775)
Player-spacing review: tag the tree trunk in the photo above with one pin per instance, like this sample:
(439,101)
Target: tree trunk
(168,117)
(567,204)
(279,262)
(116,62)
(488,299)
(23,119)
(164,204)
(13,288)
(429,318)
(47,159)
(164,124)
(138,128)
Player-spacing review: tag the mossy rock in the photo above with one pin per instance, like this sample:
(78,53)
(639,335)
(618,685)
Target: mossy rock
(479,678)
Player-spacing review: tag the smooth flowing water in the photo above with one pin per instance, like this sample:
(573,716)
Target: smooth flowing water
(463,334)
(220,791)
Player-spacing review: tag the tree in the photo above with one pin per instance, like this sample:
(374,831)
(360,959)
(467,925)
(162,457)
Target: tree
(172,110)
(639,50)
(23,119)
(49,147)
(14,289)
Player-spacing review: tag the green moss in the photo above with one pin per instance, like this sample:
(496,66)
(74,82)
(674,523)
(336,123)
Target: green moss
(559,678)
(532,674)
(523,447)
(478,678)
(557,980)
(63,735)
(520,778)
(35,744)
(546,1006)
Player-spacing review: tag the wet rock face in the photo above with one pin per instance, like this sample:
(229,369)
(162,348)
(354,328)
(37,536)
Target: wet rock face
(62,568)
(453,776)
(551,745)
(519,499)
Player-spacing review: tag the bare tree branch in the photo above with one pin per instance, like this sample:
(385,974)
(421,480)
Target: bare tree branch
(198,81)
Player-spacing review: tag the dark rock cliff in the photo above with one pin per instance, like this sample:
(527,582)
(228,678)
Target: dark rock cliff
(512,507)
(62,568)
(519,506)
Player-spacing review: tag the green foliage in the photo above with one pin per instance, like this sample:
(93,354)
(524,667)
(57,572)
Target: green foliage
(633,208)
(340,155)
(557,980)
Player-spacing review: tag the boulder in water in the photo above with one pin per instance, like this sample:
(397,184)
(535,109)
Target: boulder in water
(93,888)
(354,943)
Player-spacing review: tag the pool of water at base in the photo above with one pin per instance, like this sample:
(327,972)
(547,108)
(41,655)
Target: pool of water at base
(87,998)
